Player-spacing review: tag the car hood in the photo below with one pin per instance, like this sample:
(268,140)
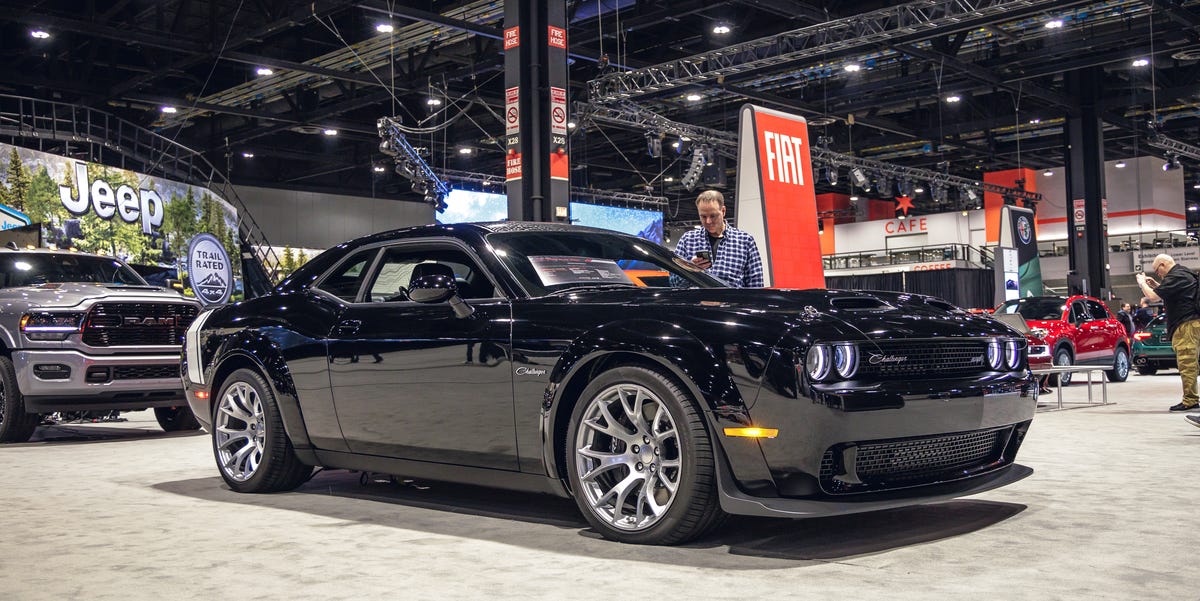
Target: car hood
(70,294)
(873,314)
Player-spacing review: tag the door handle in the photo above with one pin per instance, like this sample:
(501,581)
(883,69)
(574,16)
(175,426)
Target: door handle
(347,327)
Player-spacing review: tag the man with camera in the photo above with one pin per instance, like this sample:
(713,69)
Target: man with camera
(725,252)
(1177,291)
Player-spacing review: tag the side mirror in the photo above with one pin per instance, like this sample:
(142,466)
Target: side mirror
(431,289)
(174,284)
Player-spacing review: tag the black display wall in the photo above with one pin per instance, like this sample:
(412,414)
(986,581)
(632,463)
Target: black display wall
(967,288)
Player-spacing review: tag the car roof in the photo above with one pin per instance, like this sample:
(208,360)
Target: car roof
(52,251)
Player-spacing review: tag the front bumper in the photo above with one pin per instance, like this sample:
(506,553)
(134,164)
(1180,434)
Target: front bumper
(53,392)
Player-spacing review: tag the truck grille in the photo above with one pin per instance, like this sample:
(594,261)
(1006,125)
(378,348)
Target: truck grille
(899,359)
(137,324)
(145,372)
(903,462)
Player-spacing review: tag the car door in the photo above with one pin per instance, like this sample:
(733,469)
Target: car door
(1108,328)
(1089,335)
(415,381)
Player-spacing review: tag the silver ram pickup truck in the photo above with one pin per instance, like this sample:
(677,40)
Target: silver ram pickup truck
(83,332)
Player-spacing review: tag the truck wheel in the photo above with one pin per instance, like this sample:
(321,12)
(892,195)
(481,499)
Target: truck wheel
(15,424)
(176,419)
(252,449)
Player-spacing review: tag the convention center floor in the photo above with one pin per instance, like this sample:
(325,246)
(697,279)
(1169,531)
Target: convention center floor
(123,511)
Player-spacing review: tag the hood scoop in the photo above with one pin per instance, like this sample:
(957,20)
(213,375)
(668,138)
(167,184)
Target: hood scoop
(860,303)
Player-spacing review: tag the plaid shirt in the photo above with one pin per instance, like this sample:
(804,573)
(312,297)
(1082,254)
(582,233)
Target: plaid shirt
(736,261)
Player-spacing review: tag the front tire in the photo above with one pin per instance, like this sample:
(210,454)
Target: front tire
(640,461)
(1062,357)
(176,419)
(1120,370)
(15,424)
(252,449)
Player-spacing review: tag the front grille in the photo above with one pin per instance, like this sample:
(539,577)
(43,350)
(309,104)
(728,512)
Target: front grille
(900,359)
(145,372)
(137,324)
(902,462)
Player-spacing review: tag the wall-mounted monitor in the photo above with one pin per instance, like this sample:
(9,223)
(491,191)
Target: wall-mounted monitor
(464,206)
(638,222)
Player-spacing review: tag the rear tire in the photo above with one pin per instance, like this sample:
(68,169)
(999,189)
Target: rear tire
(1062,357)
(253,452)
(15,424)
(1147,370)
(176,419)
(1120,370)
(640,461)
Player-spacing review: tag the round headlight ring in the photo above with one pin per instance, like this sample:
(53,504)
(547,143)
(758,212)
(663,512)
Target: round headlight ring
(818,362)
(1012,354)
(995,354)
(845,359)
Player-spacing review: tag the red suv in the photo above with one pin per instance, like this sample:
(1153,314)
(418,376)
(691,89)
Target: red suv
(1078,330)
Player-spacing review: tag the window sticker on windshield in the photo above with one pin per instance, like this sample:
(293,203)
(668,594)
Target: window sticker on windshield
(555,270)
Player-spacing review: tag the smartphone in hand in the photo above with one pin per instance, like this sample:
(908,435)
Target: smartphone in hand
(704,254)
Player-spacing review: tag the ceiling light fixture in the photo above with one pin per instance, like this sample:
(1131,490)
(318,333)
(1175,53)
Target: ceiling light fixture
(464,150)
(721,29)
(693,97)
(169,110)
(668,179)
(264,71)
(248,155)
(379,169)
(1054,24)
(434,102)
(854,198)
(1035,121)
(385,28)
(1120,165)
(918,190)
(330,132)
(1172,162)
(571,125)
(853,67)
(39,34)
(1141,62)
(1048,173)
(953,98)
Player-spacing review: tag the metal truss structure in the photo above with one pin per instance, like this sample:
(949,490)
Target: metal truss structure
(577,193)
(896,24)
(627,114)
(410,165)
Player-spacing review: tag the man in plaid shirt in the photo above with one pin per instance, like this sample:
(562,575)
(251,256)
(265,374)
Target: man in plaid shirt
(725,252)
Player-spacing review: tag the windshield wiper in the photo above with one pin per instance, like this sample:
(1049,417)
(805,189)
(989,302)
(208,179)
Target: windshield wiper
(586,287)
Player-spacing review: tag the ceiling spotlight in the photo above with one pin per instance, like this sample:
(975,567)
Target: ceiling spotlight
(853,67)
(464,150)
(693,97)
(264,71)
(1054,24)
(832,175)
(330,132)
(853,198)
(247,155)
(385,28)
(169,110)
(379,169)
(1120,165)
(668,179)
(1172,162)
(860,179)
(721,29)
(1193,208)
(953,98)
(918,190)
(1141,62)
(434,102)
(1196,186)
(1035,121)
(1048,173)
(39,34)
(570,125)
(675,144)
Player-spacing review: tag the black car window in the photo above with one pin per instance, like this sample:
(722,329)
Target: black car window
(1079,313)
(32,268)
(1034,308)
(391,280)
(546,262)
(1097,310)
(347,279)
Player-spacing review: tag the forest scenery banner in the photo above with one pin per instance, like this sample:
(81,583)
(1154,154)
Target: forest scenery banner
(109,211)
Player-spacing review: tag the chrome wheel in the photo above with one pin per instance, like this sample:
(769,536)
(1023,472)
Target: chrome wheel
(1061,359)
(628,457)
(240,431)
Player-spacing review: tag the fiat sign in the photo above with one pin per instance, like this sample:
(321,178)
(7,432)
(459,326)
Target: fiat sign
(209,270)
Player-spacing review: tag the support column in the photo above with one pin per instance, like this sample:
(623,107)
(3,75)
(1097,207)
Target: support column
(537,171)
(1087,219)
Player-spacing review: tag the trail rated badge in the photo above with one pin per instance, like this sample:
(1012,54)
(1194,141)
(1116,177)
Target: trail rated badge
(209,270)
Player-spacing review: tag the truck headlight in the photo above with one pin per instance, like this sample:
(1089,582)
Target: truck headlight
(46,325)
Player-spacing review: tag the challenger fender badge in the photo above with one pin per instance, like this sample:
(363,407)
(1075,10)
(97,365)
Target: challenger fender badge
(530,371)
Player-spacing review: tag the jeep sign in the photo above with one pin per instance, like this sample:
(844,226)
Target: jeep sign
(144,204)
(209,270)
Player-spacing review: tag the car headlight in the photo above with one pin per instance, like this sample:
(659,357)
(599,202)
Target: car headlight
(45,325)
(818,362)
(1012,354)
(1039,333)
(995,354)
(845,359)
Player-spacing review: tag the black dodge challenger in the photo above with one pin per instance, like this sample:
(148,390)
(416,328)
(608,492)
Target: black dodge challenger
(523,356)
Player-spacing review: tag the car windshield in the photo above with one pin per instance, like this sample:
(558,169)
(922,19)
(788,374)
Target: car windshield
(28,269)
(548,262)
(1041,308)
